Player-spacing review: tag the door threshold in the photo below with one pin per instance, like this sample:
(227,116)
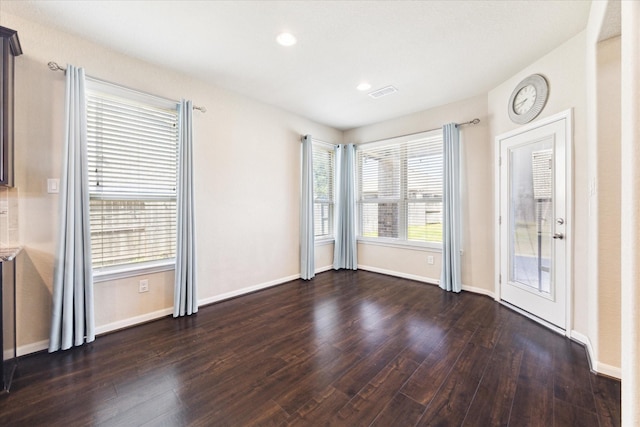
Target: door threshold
(535,318)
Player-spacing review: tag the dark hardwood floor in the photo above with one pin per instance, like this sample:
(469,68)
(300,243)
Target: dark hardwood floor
(346,349)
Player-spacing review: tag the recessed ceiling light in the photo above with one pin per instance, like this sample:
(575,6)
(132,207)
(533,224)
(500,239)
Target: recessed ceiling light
(286,39)
(364,86)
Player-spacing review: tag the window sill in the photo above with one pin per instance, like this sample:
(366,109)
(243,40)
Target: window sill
(322,242)
(414,246)
(114,273)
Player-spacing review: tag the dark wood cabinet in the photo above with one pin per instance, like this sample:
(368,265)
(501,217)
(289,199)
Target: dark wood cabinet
(9,49)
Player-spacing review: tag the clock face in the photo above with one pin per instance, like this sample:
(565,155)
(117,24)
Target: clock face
(528,99)
(524,100)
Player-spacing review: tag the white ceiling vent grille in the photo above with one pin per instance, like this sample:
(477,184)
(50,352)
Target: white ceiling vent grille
(387,90)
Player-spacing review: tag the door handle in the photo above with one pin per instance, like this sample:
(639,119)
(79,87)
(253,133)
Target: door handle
(558,236)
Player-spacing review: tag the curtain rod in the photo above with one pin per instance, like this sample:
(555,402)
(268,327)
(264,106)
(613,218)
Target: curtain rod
(53,66)
(324,142)
(470,122)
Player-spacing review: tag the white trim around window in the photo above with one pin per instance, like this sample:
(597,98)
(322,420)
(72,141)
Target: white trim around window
(132,142)
(399,186)
(131,270)
(325,241)
(402,244)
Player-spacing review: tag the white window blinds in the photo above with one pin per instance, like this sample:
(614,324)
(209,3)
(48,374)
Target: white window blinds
(132,156)
(323,191)
(400,189)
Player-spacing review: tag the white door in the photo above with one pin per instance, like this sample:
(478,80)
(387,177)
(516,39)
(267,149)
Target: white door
(533,213)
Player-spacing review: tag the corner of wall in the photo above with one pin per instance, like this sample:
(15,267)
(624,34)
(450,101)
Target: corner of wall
(595,365)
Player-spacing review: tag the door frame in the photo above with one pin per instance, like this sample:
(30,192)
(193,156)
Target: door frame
(564,115)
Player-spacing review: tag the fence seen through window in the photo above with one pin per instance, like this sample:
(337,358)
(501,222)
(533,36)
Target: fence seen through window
(132,158)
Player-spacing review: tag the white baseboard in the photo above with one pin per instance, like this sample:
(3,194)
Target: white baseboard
(477,290)
(247,290)
(584,340)
(608,370)
(596,366)
(424,279)
(33,347)
(536,319)
(114,326)
(131,321)
(400,274)
(599,367)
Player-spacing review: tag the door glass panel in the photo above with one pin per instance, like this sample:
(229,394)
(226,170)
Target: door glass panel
(531,215)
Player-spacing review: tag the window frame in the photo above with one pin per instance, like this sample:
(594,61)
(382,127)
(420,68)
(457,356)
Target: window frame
(119,271)
(403,201)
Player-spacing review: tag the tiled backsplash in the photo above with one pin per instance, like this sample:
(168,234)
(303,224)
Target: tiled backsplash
(8,217)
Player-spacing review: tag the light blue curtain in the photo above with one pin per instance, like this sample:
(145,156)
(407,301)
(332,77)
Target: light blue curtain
(345,253)
(185,295)
(307,240)
(72,319)
(451,227)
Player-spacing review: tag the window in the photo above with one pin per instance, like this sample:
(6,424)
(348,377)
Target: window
(323,192)
(132,157)
(400,189)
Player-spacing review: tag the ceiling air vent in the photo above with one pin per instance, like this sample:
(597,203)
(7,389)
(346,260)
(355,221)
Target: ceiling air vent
(387,90)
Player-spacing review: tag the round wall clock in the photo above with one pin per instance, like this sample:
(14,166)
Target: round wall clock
(528,99)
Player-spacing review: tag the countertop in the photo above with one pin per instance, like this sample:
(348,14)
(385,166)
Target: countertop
(9,254)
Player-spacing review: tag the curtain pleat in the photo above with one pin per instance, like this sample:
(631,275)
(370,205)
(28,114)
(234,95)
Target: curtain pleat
(72,318)
(345,253)
(451,227)
(307,241)
(185,298)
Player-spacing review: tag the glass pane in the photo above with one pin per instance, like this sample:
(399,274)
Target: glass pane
(380,174)
(322,219)
(380,220)
(531,215)
(132,148)
(322,175)
(132,231)
(425,221)
(424,171)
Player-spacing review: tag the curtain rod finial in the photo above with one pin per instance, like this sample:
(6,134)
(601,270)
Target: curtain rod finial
(53,66)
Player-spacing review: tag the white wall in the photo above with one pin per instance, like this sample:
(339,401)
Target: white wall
(324,256)
(477,259)
(564,69)
(630,244)
(608,186)
(247,175)
(246,155)
(596,181)
(603,72)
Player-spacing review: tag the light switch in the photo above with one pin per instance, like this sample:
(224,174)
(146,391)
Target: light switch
(53,185)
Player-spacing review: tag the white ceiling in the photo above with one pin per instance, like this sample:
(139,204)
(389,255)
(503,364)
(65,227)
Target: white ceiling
(434,52)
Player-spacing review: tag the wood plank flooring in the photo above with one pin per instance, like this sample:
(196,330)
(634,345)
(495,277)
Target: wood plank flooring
(346,349)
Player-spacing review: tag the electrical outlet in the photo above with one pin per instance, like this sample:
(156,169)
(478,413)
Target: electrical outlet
(144,286)
(430,259)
